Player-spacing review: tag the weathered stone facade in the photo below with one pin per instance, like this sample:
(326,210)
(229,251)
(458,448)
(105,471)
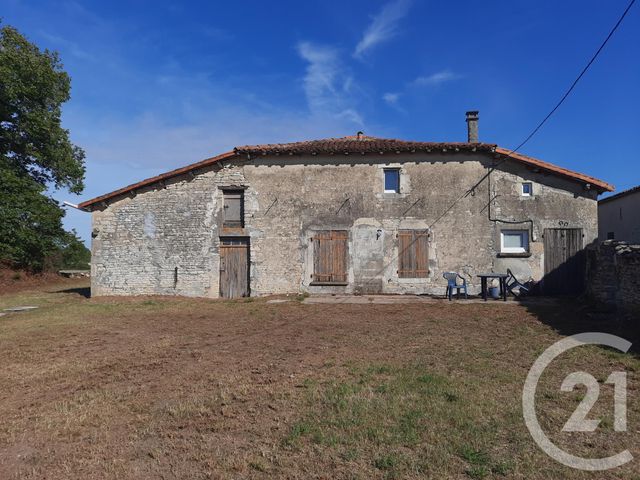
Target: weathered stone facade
(165,238)
(619,216)
(613,274)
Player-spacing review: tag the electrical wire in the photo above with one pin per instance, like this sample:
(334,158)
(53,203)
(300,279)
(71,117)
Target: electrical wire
(504,158)
(575,82)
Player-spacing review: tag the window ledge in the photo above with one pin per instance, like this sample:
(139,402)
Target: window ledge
(514,255)
(390,195)
(328,284)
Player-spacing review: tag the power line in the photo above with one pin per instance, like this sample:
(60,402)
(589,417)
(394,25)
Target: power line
(544,120)
(575,82)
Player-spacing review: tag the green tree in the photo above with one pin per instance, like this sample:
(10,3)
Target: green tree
(70,254)
(74,254)
(35,151)
(31,225)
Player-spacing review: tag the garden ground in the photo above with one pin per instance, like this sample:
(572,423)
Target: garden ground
(151,387)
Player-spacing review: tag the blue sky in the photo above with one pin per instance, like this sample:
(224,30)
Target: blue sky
(157,85)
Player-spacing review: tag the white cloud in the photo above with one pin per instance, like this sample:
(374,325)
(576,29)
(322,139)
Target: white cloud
(383,26)
(391,98)
(321,74)
(67,46)
(436,79)
(329,89)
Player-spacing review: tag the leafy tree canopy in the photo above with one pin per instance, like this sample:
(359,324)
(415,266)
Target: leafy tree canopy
(35,152)
(31,222)
(33,88)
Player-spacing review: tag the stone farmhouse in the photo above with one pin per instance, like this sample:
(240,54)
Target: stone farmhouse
(357,214)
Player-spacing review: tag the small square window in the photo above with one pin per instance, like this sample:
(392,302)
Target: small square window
(611,236)
(527,189)
(392,180)
(514,241)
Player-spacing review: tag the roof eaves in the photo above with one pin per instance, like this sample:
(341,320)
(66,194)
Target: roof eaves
(586,179)
(336,146)
(624,193)
(157,179)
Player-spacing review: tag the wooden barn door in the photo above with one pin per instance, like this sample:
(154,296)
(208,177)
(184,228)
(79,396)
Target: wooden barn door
(564,261)
(234,267)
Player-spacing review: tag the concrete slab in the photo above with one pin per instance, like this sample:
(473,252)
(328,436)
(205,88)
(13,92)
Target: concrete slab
(19,309)
(403,299)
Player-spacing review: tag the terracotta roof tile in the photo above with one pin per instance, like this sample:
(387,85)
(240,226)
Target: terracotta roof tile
(159,178)
(550,167)
(355,144)
(358,144)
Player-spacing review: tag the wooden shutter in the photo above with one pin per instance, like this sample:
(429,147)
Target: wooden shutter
(330,257)
(233,208)
(413,253)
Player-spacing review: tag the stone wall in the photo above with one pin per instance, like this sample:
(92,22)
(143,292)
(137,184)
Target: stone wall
(613,273)
(165,239)
(620,216)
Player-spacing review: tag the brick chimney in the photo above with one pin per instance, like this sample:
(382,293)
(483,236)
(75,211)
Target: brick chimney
(472,126)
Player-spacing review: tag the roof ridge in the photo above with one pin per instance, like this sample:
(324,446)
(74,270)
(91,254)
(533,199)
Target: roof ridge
(346,145)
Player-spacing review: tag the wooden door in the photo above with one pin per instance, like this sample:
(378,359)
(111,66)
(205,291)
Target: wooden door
(330,249)
(564,261)
(234,267)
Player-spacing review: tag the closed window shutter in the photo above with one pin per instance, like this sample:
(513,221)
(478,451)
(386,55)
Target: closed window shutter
(405,258)
(421,253)
(413,253)
(322,257)
(233,208)
(330,256)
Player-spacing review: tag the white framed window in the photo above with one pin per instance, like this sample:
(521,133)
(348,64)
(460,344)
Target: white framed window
(527,189)
(391,180)
(514,241)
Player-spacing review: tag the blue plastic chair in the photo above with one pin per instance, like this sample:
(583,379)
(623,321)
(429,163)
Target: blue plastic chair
(452,283)
(513,283)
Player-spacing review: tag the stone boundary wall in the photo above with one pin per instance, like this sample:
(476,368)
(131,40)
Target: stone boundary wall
(613,273)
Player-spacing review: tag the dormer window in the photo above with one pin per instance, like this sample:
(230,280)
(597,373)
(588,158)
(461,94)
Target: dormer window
(391,180)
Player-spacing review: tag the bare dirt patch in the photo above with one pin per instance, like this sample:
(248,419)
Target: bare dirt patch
(183,388)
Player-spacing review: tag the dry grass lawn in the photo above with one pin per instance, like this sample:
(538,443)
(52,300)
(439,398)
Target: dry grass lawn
(180,388)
